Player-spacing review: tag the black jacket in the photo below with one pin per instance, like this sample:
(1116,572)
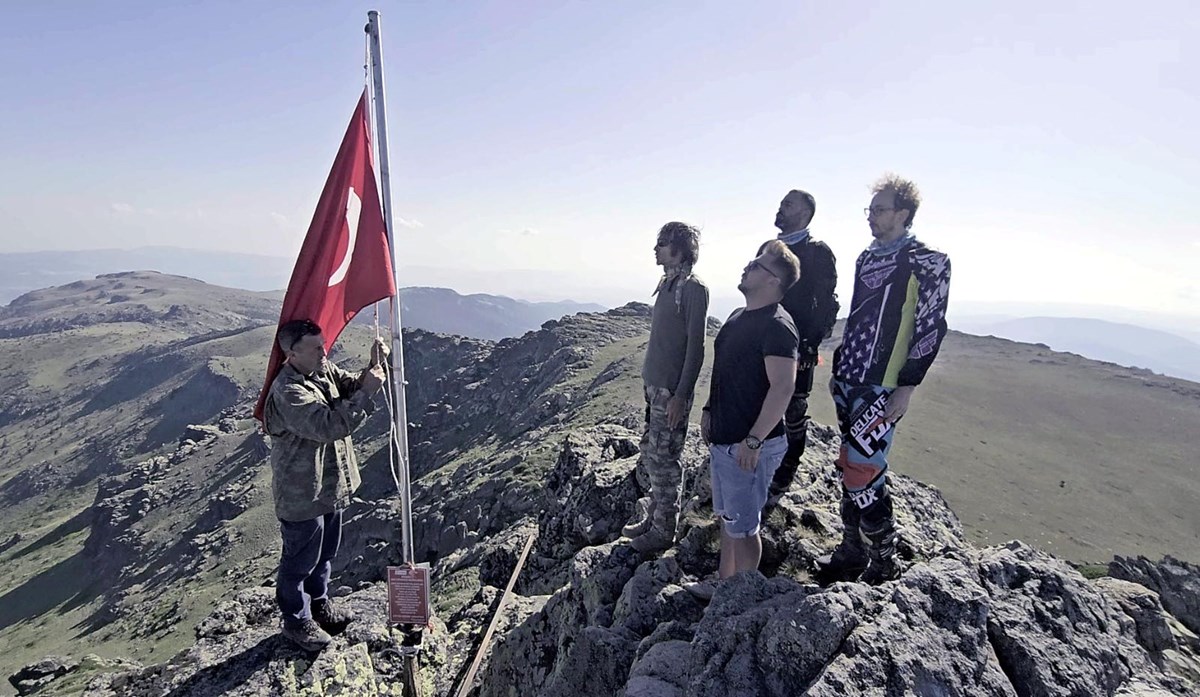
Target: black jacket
(812,301)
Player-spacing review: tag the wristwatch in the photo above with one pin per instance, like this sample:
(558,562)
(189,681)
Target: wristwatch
(753,442)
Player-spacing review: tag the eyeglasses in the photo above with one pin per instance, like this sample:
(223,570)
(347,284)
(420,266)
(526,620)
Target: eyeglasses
(756,265)
(876,210)
(663,243)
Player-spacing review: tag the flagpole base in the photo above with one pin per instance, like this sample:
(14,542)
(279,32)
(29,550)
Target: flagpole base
(409,651)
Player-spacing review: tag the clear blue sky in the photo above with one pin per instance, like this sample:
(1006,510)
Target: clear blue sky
(1056,149)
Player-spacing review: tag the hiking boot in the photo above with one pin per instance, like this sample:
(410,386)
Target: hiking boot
(308,635)
(652,541)
(642,525)
(330,616)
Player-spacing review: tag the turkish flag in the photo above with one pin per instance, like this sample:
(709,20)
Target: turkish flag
(344,264)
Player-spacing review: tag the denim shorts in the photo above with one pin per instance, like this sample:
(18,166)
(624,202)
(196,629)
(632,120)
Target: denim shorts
(738,495)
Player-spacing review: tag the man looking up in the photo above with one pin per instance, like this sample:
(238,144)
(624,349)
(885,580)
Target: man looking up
(311,409)
(812,303)
(896,324)
(753,376)
(674,357)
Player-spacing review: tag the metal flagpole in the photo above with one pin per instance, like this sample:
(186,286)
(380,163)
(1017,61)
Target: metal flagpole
(412,636)
(398,382)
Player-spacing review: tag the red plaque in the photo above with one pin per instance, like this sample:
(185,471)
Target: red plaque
(408,595)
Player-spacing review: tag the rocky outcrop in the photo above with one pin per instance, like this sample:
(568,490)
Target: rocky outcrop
(1176,582)
(502,458)
(35,676)
(138,297)
(998,621)
(238,652)
(592,617)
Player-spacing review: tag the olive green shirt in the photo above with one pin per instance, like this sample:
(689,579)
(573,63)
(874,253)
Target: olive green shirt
(675,352)
(314,470)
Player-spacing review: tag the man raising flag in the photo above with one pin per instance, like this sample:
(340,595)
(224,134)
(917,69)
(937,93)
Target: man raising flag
(344,264)
(309,406)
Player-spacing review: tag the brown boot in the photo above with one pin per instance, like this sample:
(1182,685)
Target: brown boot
(332,617)
(308,635)
(652,541)
(641,525)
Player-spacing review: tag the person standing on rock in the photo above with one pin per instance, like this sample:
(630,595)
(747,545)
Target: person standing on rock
(753,378)
(896,325)
(812,303)
(674,356)
(312,408)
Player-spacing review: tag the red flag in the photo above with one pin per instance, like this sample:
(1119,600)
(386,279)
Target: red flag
(344,264)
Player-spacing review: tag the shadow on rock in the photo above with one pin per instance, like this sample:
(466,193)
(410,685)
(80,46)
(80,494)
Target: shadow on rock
(223,678)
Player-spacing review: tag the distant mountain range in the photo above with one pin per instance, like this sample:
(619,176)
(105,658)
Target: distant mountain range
(479,315)
(1123,344)
(26,271)
(442,310)
(1162,343)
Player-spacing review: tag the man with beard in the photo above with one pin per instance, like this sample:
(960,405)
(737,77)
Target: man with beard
(896,325)
(812,303)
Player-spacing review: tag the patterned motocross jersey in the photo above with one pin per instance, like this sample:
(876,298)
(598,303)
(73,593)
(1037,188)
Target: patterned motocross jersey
(897,318)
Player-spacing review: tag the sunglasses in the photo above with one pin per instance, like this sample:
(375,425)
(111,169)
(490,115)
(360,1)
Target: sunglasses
(756,265)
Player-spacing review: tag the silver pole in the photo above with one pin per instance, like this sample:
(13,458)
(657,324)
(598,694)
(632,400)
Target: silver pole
(398,382)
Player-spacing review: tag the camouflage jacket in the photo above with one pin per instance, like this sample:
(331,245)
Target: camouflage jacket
(310,418)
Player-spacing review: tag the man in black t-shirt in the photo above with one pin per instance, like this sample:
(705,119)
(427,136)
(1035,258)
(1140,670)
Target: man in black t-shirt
(753,376)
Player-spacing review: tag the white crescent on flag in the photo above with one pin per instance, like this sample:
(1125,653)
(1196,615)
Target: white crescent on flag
(353,208)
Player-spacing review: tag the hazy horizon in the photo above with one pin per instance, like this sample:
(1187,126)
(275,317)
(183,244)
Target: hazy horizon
(271,273)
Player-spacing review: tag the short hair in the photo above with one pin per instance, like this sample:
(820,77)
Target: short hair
(290,333)
(786,264)
(808,201)
(684,239)
(907,196)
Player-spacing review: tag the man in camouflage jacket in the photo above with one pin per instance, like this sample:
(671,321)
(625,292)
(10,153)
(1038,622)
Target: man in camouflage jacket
(311,410)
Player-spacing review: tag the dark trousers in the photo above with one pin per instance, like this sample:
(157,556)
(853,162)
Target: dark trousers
(795,424)
(309,547)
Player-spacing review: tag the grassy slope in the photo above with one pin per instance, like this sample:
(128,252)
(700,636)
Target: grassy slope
(1083,459)
(98,413)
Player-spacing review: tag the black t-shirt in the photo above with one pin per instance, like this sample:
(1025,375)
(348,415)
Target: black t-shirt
(739,376)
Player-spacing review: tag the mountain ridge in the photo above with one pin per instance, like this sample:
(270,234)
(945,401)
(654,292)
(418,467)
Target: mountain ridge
(529,434)
(1114,342)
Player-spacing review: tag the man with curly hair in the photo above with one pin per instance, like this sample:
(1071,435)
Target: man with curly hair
(896,325)
(674,356)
